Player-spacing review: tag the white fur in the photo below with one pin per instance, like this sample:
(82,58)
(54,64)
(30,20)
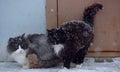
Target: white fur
(79,65)
(91,44)
(58,48)
(65,68)
(19,56)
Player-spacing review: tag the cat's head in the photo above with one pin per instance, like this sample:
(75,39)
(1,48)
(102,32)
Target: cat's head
(17,43)
(56,36)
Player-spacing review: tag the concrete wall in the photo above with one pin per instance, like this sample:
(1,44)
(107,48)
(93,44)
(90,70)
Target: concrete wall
(18,17)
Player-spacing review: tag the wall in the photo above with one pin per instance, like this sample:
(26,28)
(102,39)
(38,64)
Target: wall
(18,17)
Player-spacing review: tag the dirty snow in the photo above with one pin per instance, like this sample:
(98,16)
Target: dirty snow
(88,66)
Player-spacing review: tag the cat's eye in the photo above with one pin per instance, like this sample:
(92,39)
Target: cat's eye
(22,45)
(16,44)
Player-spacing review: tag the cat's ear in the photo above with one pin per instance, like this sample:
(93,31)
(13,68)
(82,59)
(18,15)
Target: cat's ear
(11,40)
(48,30)
(23,35)
(58,30)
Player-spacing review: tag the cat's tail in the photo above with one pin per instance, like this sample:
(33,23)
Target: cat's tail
(90,12)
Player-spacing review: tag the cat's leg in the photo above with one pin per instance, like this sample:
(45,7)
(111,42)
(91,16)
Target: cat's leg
(26,65)
(79,58)
(79,61)
(68,54)
(66,62)
(32,61)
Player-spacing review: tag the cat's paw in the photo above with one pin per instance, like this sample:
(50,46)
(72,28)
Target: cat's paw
(79,65)
(25,66)
(32,59)
(65,68)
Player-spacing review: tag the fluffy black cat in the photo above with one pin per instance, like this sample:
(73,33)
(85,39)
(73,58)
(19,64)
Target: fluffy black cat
(20,47)
(72,39)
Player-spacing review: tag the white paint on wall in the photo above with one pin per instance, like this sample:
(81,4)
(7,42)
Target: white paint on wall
(18,17)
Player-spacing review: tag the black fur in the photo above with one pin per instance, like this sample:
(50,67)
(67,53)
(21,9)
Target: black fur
(90,12)
(76,36)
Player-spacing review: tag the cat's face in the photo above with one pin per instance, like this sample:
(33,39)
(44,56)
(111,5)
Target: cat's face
(17,44)
(56,36)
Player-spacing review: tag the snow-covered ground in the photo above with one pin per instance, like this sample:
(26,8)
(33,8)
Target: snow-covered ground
(88,66)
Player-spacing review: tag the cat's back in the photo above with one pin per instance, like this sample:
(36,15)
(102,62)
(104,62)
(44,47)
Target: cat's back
(76,26)
(41,46)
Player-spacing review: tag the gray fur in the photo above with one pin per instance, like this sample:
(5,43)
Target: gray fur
(38,43)
(34,44)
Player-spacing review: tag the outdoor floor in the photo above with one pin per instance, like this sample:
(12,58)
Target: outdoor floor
(89,65)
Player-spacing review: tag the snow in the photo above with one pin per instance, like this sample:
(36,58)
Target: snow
(88,66)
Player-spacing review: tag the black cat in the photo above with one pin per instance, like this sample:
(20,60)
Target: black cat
(72,39)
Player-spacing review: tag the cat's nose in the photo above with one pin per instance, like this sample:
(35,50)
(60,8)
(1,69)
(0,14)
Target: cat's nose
(21,52)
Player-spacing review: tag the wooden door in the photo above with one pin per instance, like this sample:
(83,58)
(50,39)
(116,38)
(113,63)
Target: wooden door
(107,22)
